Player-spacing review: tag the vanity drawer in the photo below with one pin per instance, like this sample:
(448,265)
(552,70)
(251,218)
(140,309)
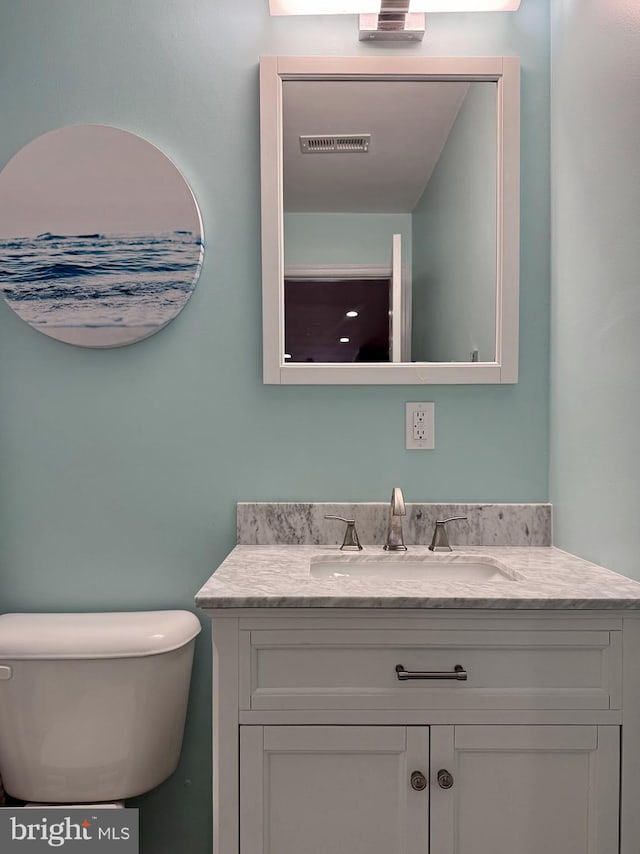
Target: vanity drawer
(356,669)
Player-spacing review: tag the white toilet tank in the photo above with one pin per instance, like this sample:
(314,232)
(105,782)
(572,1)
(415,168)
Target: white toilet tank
(92,706)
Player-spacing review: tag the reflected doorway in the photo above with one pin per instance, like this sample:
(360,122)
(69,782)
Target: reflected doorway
(337,319)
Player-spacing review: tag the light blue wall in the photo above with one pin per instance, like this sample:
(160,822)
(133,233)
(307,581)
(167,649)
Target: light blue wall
(344,238)
(120,469)
(595,388)
(454,228)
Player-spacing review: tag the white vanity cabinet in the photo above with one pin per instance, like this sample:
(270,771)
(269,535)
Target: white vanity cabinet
(449,789)
(328,789)
(526,789)
(321,746)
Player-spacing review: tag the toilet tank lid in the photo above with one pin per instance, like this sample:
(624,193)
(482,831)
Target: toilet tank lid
(108,635)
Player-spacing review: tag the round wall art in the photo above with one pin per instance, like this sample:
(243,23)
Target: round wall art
(100,236)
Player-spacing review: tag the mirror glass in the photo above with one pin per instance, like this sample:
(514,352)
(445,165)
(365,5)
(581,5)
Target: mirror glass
(390,212)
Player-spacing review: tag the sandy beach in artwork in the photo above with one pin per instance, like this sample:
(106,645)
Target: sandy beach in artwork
(101,337)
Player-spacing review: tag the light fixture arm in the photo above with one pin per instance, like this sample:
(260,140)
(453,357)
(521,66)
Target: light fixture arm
(394,22)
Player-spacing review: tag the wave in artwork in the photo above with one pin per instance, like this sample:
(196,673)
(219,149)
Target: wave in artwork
(99,289)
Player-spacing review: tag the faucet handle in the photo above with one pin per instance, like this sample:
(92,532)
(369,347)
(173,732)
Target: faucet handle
(351,543)
(440,540)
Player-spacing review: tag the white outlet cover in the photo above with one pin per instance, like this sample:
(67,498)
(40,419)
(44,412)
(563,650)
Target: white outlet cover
(414,413)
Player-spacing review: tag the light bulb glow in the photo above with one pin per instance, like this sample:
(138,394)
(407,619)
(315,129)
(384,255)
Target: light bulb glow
(363,7)
(352,313)
(344,340)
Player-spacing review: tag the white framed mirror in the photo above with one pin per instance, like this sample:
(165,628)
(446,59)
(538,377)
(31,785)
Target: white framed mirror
(390,219)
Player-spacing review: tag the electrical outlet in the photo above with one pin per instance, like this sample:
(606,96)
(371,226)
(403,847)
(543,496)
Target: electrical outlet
(420,428)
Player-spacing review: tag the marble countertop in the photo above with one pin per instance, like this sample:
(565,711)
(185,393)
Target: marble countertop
(276,576)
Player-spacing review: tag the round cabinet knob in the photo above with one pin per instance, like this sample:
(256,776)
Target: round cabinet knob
(418,781)
(445,779)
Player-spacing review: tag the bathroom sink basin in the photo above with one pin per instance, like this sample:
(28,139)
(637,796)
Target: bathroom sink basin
(431,568)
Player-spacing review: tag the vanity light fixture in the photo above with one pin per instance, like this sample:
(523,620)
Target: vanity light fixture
(389,20)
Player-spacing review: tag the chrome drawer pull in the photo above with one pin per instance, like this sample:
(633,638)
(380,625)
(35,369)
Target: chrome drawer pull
(458,673)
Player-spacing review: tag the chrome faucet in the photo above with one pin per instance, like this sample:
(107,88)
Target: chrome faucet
(395,538)
(440,540)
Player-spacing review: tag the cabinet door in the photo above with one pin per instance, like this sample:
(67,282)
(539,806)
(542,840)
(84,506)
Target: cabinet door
(525,790)
(333,790)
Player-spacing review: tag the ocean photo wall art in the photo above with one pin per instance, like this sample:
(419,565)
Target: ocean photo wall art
(101,240)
